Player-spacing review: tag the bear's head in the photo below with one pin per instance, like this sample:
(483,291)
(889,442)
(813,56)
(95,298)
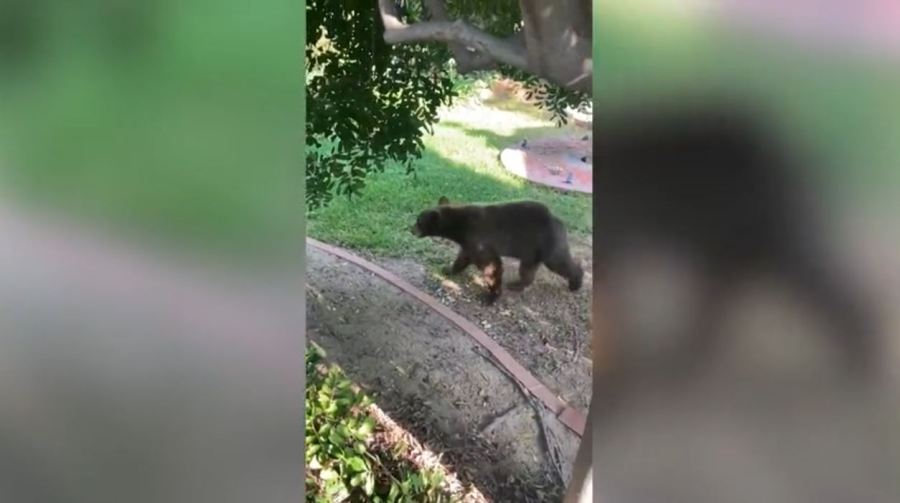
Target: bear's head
(429,221)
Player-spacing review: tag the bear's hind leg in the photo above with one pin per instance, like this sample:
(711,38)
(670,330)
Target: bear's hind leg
(527,270)
(564,265)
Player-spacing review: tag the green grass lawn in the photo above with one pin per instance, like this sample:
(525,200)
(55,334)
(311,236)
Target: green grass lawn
(461,161)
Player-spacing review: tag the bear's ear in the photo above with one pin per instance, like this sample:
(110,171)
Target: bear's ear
(443,201)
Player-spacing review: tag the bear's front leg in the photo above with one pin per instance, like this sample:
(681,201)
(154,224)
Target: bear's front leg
(492,271)
(462,261)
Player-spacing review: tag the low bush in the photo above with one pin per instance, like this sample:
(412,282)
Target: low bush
(345,460)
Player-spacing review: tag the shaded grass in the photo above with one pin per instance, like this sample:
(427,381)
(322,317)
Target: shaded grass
(461,161)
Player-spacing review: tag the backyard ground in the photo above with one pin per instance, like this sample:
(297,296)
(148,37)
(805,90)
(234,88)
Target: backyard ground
(544,327)
(430,376)
(437,383)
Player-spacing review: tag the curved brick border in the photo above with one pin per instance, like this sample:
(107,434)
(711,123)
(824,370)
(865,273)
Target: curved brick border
(573,418)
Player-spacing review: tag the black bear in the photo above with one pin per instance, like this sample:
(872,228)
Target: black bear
(525,230)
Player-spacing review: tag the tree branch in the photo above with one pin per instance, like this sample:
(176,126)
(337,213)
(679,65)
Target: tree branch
(467,59)
(487,47)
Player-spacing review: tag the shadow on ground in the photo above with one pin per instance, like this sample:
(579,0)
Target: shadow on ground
(502,141)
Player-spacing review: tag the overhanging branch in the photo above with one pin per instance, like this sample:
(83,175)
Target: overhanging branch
(488,48)
(467,59)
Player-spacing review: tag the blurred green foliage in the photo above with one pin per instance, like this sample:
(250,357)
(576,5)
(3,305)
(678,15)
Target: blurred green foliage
(844,107)
(177,118)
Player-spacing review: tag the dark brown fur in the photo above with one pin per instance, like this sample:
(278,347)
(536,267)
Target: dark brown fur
(525,230)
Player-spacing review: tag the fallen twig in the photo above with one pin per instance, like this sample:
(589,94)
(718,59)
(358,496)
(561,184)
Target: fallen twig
(496,419)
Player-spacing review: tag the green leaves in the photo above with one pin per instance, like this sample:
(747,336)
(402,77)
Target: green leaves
(341,462)
(367,102)
(328,474)
(367,426)
(334,442)
(357,464)
(370,104)
(369,487)
(549,97)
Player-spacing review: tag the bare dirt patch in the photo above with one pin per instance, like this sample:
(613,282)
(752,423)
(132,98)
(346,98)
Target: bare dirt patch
(435,381)
(546,327)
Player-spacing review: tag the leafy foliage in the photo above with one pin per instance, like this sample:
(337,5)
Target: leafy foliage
(340,462)
(502,18)
(499,17)
(367,102)
(549,97)
(370,103)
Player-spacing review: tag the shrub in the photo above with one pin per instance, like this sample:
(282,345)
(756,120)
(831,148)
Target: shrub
(343,460)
